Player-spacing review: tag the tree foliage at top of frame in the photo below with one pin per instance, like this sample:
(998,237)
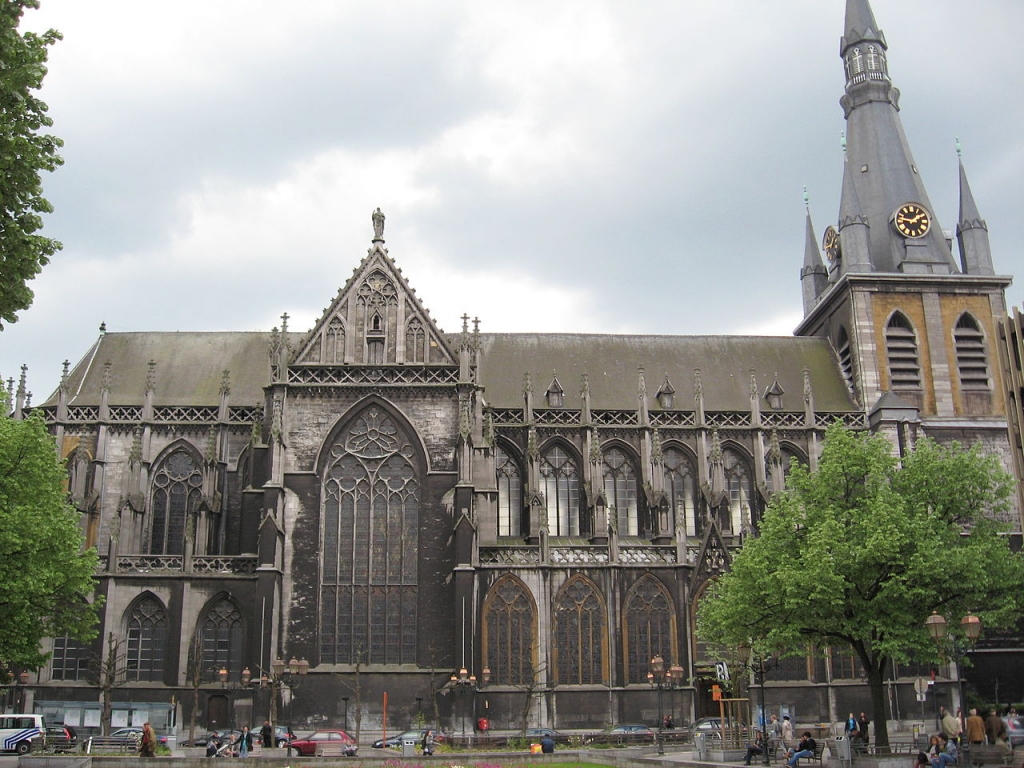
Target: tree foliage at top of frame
(26,150)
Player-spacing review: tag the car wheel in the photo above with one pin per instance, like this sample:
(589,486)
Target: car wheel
(23,748)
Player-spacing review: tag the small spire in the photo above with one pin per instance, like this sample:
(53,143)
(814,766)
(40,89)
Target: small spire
(959,149)
(103,327)
(807,200)
(151,376)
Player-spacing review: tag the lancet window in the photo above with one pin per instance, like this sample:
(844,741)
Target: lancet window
(580,641)
(371,490)
(560,483)
(740,488)
(650,630)
(681,489)
(146,632)
(620,490)
(510,500)
(177,491)
(223,640)
(509,624)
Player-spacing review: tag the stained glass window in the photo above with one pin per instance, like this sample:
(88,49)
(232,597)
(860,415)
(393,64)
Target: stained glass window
(509,618)
(223,640)
(681,489)
(738,483)
(147,641)
(177,490)
(649,620)
(620,490)
(579,634)
(371,497)
(560,483)
(510,502)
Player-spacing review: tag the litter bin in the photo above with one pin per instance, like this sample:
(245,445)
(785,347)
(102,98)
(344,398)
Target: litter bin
(483,724)
(700,744)
(843,751)
(408,747)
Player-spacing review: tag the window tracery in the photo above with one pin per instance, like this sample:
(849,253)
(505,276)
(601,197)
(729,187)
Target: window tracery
(334,342)
(177,492)
(620,490)
(415,342)
(371,498)
(146,625)
(579,634)
(681,489)
(510,502)
(509,620)
(223,640)
(740,487)
(559,480)
(650,630)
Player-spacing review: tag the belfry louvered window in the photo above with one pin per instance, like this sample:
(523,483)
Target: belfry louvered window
(901,347)
(971,360)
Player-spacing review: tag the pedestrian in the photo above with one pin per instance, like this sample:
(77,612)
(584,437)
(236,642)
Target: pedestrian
(547,744)
(950,726)
(787,732)
(862,728)
(428,743)
(975,728)
(245,742)
(147,745)
(267,735)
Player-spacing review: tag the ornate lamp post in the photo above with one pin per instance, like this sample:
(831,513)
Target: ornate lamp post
(663,679)
(970,625)
(463,681)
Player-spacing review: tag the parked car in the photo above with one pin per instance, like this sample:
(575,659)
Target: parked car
(395,742)
(711,727)
(631,729)
(1014,730)
(536,734)
(624,733)
(134,732)
(307,747)
(282,734)
(60,738)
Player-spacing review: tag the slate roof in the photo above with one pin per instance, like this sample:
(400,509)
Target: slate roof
(611,362)
(190,365)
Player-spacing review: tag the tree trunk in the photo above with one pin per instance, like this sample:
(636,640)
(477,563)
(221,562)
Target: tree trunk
(878,714)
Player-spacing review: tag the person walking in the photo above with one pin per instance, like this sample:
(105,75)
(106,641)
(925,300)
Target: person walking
(245,742)
(975,728)
(267,735)
(147,745)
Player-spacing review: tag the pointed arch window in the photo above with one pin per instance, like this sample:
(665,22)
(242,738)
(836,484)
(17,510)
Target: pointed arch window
(371,490)
(580,644)
(509,620)
(415,342)
(681,489)
(971,357)
(620,489)
(510,498)
(740,488)
(560,483)
(649,617)
(177,491)
(146,632)
(786,458)
(901,348)
(845,358)
(223,640)
(334,340)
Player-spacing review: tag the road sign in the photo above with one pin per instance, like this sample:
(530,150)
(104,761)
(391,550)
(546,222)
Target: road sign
(722,671)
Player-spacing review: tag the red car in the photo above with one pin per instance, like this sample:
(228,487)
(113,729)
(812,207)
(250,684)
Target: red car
(337,742)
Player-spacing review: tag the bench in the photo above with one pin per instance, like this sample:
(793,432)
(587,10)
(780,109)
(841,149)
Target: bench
(819,750)
(991,754)
(110,744)
(335,749)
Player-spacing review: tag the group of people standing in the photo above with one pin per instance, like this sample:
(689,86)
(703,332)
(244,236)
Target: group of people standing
(779,736)
(943,747)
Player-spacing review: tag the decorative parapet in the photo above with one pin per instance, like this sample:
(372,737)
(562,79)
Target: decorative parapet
(384,375)
(207,565)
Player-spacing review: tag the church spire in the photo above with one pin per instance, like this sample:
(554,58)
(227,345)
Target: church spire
(813,277)
(972,231)
(882,169)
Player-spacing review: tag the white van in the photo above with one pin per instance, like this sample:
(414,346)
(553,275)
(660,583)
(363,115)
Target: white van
(18,732)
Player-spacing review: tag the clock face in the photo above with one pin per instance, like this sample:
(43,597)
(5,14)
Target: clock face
(912,220)
(830,242)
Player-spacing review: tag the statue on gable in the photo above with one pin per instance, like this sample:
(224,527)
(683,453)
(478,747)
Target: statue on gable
(378,225)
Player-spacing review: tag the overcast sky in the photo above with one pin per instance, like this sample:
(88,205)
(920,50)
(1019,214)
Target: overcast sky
(591,166)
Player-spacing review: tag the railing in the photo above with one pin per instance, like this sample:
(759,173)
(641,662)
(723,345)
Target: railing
(209,565)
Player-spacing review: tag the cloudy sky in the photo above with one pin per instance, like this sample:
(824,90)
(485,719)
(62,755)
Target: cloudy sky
(573,166)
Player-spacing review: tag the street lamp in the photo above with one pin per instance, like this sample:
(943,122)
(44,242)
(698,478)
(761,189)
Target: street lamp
(463,681)
(755,662)
(663,679)
(970,625)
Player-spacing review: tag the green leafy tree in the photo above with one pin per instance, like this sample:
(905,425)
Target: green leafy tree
(25,151)
(859,553)
(46,577)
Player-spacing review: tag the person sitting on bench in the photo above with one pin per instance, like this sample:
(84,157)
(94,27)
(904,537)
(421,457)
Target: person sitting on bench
(805,748)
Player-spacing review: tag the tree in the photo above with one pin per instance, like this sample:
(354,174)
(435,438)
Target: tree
(46,576)
(109,672)
(25,151)
(859,553)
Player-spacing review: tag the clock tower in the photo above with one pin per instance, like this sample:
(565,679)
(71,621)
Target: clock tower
(912,326)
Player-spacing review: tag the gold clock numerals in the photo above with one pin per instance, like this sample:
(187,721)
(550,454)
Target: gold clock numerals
(912,220)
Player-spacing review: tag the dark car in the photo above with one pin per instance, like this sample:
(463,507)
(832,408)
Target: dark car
(60,738)
(307,747)
(282,735)
(134,732)
(536,734)
(395,742)
(625,733)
